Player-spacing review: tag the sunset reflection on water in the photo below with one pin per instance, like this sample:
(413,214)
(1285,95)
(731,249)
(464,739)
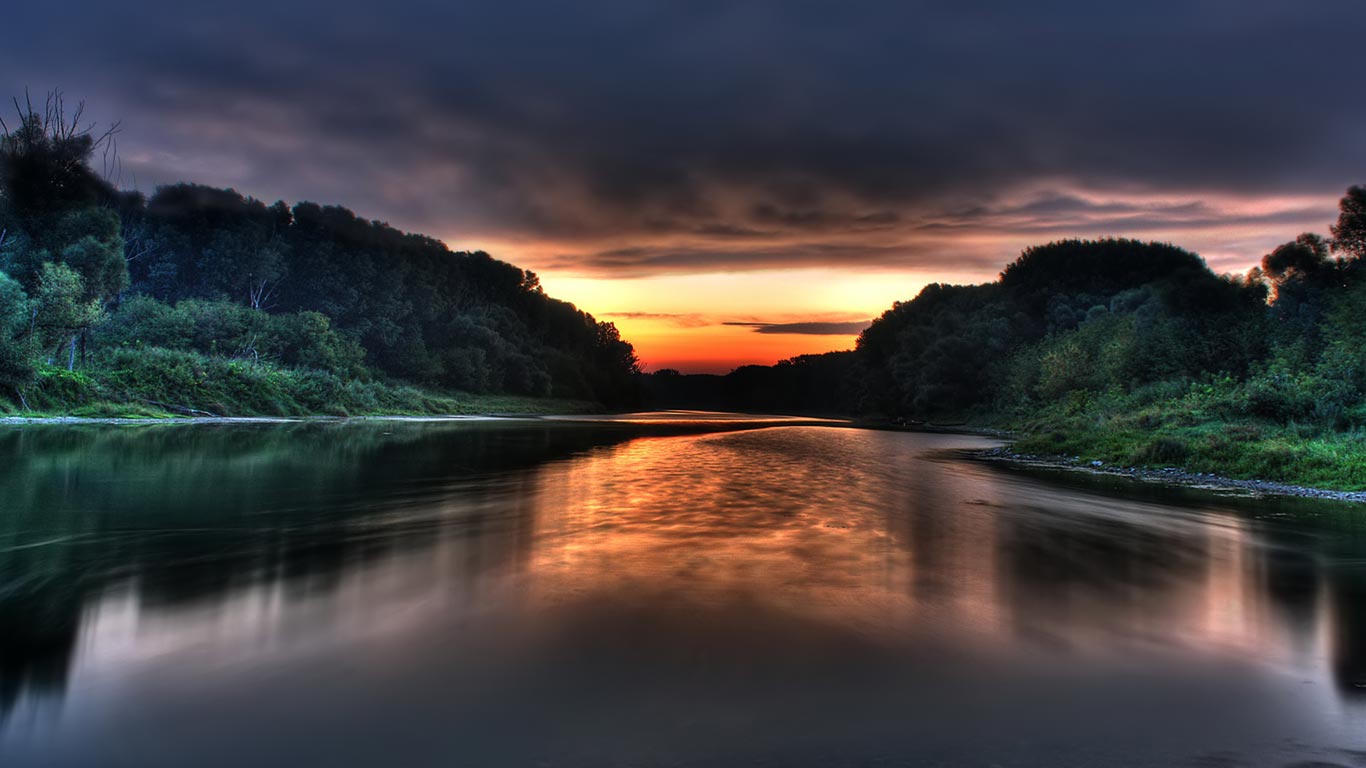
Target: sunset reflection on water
(451,585)
(849,527)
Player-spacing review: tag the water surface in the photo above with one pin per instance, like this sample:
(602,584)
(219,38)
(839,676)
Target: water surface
(665,590)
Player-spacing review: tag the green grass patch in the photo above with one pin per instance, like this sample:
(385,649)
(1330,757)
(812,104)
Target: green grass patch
(162,383)
(1203,429)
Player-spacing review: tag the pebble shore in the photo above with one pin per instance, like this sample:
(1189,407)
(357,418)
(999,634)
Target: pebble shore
(1170,475)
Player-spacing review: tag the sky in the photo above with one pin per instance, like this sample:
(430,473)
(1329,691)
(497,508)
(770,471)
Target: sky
(736,182)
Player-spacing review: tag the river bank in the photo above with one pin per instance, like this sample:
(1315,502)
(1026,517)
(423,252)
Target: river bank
(1165,475)
(797,581)
(208,387)
(135,421)
(501,407)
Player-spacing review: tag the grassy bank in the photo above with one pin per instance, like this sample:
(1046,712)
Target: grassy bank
(159,383)
(1208,427)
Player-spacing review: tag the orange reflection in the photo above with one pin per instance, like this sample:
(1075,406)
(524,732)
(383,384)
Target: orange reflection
(848,527)
(861,530)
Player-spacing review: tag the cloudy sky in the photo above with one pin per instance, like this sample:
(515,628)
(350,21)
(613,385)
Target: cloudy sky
(737,181)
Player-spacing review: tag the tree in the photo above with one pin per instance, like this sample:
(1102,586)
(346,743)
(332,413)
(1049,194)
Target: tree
(63,311)
(44,162)
(1349,234)
(93,247)
(213,243)
(16,335)
(1306,259)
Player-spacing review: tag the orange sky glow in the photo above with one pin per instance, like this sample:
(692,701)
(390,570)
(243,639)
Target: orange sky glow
(705,319)
(705,175)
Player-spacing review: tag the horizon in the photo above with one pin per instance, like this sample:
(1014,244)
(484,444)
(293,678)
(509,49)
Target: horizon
(705,177)
(683,382)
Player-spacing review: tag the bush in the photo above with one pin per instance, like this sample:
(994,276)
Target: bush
(1163,450)
(227,329)
(55,387)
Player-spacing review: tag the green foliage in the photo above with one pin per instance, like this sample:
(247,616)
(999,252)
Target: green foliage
(44,168)
(826,384)
(1067,317)
(92,246)
(85,240)
(1344,337)
(62,308)
(339,301)
(1205,429)
(1103,352)
(56,388)
(1136,354)
(1349,233)
(419,311)
(202,242)
(157,382)
(1092,268)
(224,328)
(17,342)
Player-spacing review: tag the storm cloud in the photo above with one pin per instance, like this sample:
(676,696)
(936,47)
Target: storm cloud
(810,328)
(637,138)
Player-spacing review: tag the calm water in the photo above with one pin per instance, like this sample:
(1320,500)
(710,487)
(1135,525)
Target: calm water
(653,592)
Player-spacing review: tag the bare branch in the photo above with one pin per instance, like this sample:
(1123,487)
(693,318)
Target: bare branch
(259,294)
(136,242)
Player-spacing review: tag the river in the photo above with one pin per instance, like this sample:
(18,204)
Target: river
(662,590)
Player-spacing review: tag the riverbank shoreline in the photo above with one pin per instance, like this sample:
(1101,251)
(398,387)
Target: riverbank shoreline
(1166,475)
(1173,476)
(187,420)
(422,406)
(637,418)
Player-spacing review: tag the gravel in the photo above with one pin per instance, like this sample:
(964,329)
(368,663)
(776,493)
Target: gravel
(1171,475)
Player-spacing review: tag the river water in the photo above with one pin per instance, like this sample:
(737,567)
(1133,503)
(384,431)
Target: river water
(670,589)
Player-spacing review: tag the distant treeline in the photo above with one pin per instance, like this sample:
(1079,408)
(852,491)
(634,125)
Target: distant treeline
(1075,323)
(806,384)
(107,282)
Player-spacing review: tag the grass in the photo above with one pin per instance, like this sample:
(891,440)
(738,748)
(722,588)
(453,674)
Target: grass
(1202,429)
(160,383)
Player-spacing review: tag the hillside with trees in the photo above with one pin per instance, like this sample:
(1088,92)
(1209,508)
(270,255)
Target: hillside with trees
(1117,351)
(203,300)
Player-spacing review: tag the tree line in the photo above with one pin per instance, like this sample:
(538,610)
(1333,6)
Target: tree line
(1076,322)
(93,278)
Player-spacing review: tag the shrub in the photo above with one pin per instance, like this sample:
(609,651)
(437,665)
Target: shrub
(1163,450)
(227,329)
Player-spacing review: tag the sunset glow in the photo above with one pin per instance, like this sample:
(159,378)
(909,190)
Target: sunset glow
(675,171)
(692,317)
(705,322)
(673,383)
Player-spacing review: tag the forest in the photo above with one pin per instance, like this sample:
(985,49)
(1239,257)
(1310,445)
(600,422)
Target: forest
(1113,351)
(204,301)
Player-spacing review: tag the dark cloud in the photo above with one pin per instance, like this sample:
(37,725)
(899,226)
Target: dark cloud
(826,324)
(1062,213)
(662,259)
(680,319)
(728,135)
(810,329)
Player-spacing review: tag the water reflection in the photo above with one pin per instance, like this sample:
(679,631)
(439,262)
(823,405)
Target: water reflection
(651,592)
